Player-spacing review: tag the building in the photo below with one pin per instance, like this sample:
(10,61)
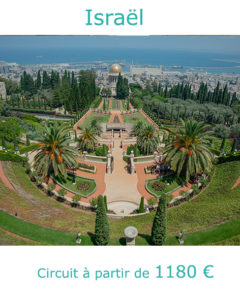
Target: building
(3,93)
(114,71)
(145,71)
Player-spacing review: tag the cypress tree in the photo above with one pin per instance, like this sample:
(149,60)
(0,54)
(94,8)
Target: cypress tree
(160,222)
(234,145)
(39,80)
(141,206)
(3,142)
(105,200)
(101,224)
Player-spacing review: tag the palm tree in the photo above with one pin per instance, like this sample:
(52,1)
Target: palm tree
(87,141)
(96,128)
(137,128)
(148,139)
(188,153)
(54,153)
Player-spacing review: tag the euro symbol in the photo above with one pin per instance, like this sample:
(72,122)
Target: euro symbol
(206,271)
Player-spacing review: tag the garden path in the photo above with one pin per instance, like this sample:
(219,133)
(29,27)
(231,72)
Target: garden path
(120,185)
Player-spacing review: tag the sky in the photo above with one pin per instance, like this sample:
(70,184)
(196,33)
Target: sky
(213,44)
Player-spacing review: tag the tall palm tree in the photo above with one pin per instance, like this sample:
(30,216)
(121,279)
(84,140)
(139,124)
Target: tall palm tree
(54,153)
(137,128)
(148,139)
(87,141)
(188,152)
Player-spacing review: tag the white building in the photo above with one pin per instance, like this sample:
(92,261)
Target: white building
(145,71)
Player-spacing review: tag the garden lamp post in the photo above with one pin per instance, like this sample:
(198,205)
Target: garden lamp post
(74,179)
(78,240)
(180,240)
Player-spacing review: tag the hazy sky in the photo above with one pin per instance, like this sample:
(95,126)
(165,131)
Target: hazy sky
(214,44)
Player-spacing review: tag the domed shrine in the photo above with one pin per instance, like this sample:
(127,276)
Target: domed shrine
(114,71)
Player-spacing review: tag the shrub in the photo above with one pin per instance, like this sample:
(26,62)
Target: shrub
(31,118)
(51,187)
(158,186)
(83,186)
(169,197)
(39,180)
(195,189)
(9,156)
(203,182)
(160,222)
(135,149)
(185,195)
(28,148)
(62,192)
(182,193)
(141,206)
(93,201)
(101,224)
(27,167)
(76,198)
(152,201)
(102,151)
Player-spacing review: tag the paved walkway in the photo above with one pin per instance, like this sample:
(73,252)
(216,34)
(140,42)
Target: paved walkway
(114,113)
(236,183)
(120,185)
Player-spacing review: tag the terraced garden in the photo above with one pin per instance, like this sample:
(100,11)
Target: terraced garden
(101,118)
(210,218)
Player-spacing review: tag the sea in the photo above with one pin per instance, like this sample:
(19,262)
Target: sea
(181,61)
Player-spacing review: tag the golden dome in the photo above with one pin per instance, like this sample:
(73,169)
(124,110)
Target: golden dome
(115,69)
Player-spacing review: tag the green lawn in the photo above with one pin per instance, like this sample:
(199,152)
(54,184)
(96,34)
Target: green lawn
(210,218)
(172,183)
(134,118)
(67,183)
(38,233)
(101,118)
(10,240)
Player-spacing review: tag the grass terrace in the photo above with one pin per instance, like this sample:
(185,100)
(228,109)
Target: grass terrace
(101,118)
(134,118)
(209,218)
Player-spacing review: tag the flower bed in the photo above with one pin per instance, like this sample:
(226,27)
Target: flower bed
(83,187)
(164,184)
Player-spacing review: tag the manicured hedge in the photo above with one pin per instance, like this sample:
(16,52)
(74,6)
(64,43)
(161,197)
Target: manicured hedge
(37,111)
(8,156)
(28,148)
(227,158)
(85,166)
(31,118)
